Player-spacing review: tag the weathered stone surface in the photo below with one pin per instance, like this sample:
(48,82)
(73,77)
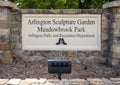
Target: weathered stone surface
(116,49)
(6,56)
(106,81)
(96,81)
(5,10)
(71,54)
(115,81)
(118,10)
(5,24)
(116,55)
(78,82)
(46,53)
(4,39)
(30,81)
(42,81)
(3,16)
(7,4)
(118,25)
(3,81)
(4,47)
(54,82)
(104,36)
(23,83)
(115,61)
(13,82)
(4,31)
(69,11)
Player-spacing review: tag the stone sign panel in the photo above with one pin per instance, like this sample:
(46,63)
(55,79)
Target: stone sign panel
(61,32)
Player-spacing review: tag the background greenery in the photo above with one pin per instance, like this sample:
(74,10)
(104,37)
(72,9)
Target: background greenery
(59,4)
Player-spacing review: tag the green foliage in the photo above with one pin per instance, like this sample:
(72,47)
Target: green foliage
(59,4)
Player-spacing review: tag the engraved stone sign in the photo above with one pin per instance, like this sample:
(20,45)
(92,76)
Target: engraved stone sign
(61,32)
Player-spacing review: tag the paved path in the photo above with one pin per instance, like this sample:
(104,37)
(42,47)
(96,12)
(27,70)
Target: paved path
(43,81)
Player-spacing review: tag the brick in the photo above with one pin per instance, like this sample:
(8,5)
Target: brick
(95,81)
(78,82)
(70,54)
(4,47)
(13,82)
(3,81)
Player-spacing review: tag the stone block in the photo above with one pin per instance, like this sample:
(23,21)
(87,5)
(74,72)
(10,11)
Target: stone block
(69,11)
(113,25)
(70,54)
(105,24)
(3,16)
(3,81)
(23,83)
(118,10)
(16,17)
(104,36)
(117,33)
(4,39)
(116,49)
(115,62)
(78,82)
(90,59)
(46,53)
(14,82)
(5,10)
(95,81)
(116,55)
(4,47)
(30,81)
(42,81)
(16,32)
(57,11)
(115,81)
(5,24)
(18,46)
(106,81)
(6,56)
(54,82)
(4,31)
(104,18)
(118,25)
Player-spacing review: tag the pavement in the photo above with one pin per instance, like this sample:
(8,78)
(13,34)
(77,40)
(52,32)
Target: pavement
(44,81)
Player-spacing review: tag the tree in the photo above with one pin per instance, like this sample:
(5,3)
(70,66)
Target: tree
(59,4)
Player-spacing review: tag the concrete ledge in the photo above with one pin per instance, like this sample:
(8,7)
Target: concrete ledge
(111,4)
(43,81)
(7,4)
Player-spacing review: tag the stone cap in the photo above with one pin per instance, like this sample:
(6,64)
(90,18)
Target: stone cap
(112,4)
(7,4)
